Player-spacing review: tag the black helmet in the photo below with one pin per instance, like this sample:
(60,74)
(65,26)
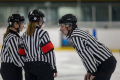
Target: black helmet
(36,15)
(69,20)
(15,18)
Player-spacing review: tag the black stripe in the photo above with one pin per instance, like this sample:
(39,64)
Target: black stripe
(45,43)
(49,51)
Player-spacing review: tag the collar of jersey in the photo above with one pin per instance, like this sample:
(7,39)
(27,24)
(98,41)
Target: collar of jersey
(13,32)
(68,36)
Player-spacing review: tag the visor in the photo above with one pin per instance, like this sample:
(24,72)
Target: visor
(66,24)
(44,22)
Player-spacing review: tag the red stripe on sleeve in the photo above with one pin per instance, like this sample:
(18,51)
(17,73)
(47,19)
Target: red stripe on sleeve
(21,52)
(47,47)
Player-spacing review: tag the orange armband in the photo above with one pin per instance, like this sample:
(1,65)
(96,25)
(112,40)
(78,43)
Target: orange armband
(48,47)
(21,52)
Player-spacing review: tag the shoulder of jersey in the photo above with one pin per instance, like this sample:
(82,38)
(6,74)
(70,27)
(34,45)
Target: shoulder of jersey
(38,31)
(10,36)
(79,33)
(41,31)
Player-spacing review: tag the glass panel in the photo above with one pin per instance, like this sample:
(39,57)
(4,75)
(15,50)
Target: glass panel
(116,13)
(83,13)
(66,10)
(102,13)
(87,13)
(5,12)
(54,16)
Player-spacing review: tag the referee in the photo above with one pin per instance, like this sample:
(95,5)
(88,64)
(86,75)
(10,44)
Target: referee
(11,62)
(96,57)
(38,49)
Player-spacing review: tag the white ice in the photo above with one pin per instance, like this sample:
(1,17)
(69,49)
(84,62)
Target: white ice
(70,67)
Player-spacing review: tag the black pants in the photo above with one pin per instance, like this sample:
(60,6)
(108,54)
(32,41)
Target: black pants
(106,69)
(38,71)
(9,71)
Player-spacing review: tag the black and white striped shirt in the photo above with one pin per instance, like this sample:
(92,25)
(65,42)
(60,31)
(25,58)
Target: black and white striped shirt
(91,51)
(9,51)
(33,47)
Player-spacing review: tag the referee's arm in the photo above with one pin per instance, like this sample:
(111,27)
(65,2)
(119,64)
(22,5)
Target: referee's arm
(95,48)
(13,49)
(48,50)
(87,58)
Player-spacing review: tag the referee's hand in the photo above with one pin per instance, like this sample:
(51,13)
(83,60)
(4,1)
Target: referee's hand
(92,77)
(55,75)
(87,76)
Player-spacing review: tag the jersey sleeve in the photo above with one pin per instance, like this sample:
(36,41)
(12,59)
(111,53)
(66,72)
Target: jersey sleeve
(48,49)
(88,59)
(13,48)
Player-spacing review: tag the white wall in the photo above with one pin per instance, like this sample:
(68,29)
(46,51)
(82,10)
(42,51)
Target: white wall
(55,36)
(109,37)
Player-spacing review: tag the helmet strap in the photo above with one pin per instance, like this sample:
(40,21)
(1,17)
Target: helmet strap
(39,24)
(69,31)
(17,28)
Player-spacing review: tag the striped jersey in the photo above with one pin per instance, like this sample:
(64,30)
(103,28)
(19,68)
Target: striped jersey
(9,51)
(33,47)
(91,51)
